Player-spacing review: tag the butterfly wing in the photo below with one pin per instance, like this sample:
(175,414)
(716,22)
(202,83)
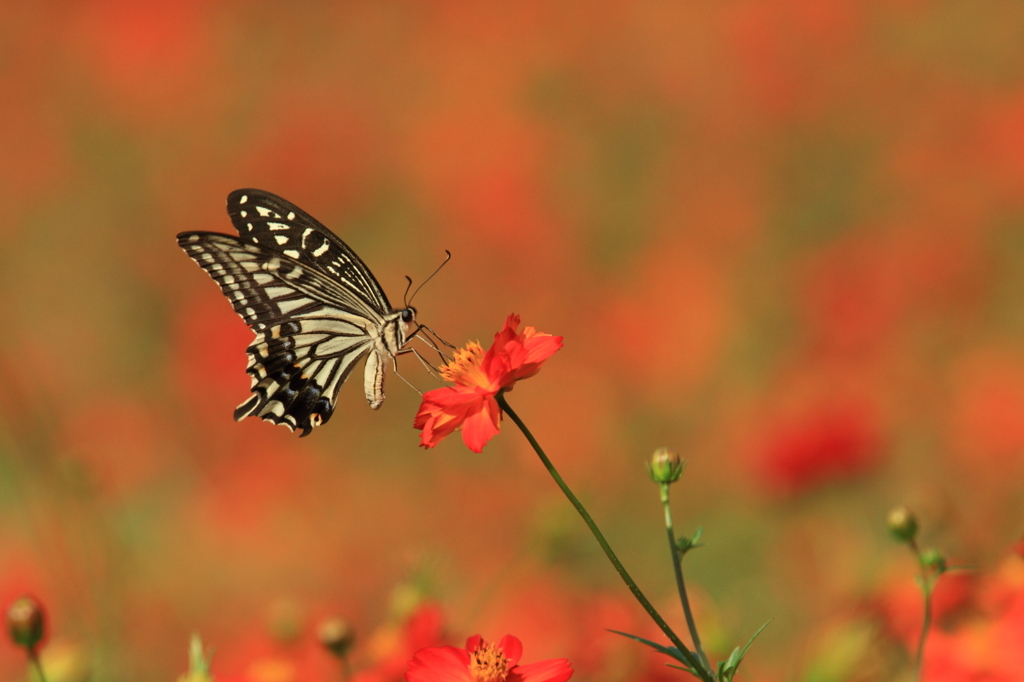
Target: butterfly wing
(310,329)
(279,225)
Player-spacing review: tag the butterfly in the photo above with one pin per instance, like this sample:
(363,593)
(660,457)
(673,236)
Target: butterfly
(315,307)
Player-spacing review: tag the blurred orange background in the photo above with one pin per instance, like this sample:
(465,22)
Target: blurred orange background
(786,239)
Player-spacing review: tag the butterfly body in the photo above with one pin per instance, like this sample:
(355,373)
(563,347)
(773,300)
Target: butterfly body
(314,306)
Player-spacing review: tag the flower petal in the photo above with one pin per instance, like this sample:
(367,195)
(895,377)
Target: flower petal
(512,648)
(439,664)
(515,356)
(535,351)
(481,424)
(540,346)
(443,410)
(511,323)
(552,670)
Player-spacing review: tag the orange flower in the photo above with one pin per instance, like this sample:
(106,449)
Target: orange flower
(483,662)
(478,377)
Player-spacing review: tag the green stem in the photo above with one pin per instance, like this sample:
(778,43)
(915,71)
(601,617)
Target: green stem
(927,586)
(692,659)
(677,565)
(919,656)
(33,657)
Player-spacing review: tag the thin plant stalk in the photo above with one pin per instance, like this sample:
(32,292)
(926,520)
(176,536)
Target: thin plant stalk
(33,657)
(677,565)
(927,586)
(703,671)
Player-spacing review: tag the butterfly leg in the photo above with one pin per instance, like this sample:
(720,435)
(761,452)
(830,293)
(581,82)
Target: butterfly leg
(403,351)
(427,339)
(431,370)
(436,335)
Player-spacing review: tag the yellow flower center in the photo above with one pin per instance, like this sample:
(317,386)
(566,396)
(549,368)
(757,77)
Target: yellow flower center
(487,663)
(464,368)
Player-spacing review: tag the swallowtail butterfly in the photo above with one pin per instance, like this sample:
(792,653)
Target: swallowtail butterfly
(315,307)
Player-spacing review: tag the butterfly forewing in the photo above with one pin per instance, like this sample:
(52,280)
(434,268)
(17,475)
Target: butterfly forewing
(296,285)
(276,224)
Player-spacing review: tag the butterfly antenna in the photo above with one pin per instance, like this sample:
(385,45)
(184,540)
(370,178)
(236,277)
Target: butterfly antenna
(408,285)
(447,257)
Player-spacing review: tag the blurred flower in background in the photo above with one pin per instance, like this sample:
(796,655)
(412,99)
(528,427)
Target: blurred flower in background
(481,660)
(830,443)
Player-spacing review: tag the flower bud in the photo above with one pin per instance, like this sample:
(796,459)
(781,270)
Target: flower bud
(902,524)
(666,466)
(26,622)
(336,635)
(933,560)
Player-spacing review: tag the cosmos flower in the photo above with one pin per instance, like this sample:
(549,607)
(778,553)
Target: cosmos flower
(831,443)
(484,662)
(393,646)
(478,378)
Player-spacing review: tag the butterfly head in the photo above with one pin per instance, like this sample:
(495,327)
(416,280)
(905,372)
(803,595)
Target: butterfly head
(407,316)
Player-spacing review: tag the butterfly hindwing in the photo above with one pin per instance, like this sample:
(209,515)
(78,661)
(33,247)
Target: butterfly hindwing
(291,384)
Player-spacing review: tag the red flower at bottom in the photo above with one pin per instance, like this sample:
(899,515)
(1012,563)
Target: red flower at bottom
(478,377)
(483,662)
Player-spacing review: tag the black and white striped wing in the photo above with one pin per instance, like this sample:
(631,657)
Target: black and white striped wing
(279,225)
(310,330)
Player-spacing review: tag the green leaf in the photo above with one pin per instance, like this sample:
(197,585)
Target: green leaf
(667,650)
(743,652)
(199,662)
(685,544)
(672,651)
(727,670)
(684,668)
